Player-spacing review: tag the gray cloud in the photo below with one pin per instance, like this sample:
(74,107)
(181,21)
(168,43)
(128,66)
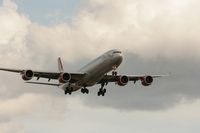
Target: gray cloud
(163,94)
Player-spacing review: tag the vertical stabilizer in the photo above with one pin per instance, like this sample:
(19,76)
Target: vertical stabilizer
(60,65)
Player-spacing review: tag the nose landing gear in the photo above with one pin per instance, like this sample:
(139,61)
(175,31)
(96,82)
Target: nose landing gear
(114,72)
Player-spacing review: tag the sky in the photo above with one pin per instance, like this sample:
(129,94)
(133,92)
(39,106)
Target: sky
(156,37)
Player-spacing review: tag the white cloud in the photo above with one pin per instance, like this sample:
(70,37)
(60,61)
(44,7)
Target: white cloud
(13,29)
(30,105)
(146,28)
(11,127)
(9,4)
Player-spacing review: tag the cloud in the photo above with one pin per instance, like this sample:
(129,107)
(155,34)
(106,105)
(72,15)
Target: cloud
(155,36)
(15,108)
(146,28)
(29,105)
(151,30)
(10,128)
(14,28)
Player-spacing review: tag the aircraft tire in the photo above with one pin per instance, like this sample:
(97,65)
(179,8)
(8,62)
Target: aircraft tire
(82,90)
(99,93)
(86,91)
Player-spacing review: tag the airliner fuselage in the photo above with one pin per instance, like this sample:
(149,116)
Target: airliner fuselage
(96,70)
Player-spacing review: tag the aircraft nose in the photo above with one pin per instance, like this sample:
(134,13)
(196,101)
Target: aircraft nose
(119,58)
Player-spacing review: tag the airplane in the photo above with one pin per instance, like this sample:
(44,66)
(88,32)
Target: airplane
(96,72)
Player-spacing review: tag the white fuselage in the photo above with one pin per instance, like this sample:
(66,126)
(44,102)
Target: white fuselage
(95,70)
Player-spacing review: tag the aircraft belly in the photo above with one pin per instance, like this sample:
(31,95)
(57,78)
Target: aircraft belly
(96,73)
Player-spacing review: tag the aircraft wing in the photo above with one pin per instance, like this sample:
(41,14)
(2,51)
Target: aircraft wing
(135,78)
(48,75)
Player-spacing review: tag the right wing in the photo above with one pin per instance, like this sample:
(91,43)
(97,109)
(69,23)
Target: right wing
(29,74)
(48,75)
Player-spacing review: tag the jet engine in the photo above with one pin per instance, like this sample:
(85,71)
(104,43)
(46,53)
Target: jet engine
(122,80)
(147,80)
(27,75)
(64,77)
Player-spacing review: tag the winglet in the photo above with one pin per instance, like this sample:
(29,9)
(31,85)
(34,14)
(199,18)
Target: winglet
(60,65)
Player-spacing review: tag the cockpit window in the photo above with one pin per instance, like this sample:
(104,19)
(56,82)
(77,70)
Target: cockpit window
(117,52)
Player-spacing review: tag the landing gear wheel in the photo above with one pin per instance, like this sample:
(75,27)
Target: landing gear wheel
(68,91)
(85,90)
(101,92)
(82,90)
(114,73)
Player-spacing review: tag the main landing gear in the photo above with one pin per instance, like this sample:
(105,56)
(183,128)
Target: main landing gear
(85,90)
(102,90)
(68,91)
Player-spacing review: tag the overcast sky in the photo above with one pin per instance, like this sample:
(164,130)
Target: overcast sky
(156,37)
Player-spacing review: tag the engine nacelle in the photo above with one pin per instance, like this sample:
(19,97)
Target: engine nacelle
(147,80)
(123,80)
(64,77)
(27,75)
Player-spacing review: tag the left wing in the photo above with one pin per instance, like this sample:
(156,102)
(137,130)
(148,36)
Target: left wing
(123,79)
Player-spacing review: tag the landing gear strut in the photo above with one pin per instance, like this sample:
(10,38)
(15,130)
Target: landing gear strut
(85,90)
(102,90)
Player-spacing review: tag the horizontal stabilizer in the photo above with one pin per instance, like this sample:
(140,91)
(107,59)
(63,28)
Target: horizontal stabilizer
(51,84)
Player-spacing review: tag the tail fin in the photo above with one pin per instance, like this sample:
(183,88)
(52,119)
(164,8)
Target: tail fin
(60,66)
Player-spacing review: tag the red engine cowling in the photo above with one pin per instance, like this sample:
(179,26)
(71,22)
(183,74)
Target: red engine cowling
(64,77)
(27,75)
(147,80)
(122,80)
